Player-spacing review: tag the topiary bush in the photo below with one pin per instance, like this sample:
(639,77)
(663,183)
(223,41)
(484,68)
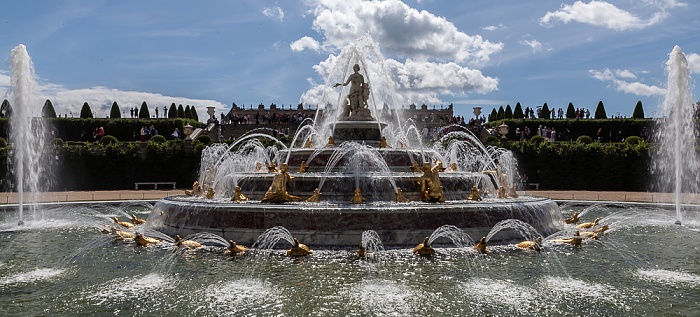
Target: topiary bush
(537,139)
(108,139)
(158,139)
(584,139)
(3,142)
(204,139)
(491,139)
(57,142)
(633,140)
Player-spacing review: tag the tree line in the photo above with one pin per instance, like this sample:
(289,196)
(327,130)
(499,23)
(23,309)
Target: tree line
(545,112)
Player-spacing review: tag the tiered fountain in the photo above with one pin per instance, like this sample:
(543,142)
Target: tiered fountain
(357,166)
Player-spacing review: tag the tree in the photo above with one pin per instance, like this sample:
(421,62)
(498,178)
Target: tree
(570,111)
(638,111)
(544,112)
(600,111)
(518,112)
(180,111)
(48,111)
(509,112)
(195,116)
(5,109)
(172,112)
(188,114)
(493,116)
(501,113)
(85,111)
(115,113)
(143,112)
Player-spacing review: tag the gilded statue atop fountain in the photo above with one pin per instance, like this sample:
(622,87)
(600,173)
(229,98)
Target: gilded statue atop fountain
(195,191)
(356,104)
(430,186)
(238,195)
(474,194)
(277,193)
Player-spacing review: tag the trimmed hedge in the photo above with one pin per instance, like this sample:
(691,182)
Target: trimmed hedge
(584,139)
(576,128)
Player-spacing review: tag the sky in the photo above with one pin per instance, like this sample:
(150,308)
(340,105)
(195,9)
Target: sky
(466,53)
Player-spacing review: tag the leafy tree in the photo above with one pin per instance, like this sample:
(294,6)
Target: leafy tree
(85,111)
(501,113)
(188,114)
(172,112)
(143,112)
(570,111)
(518,112)
(195,116)
(48,111)
(509,112)
(115,113)
(493,116)
(600,111)
(545,112)
(180,111)
(638,111)
(5,109)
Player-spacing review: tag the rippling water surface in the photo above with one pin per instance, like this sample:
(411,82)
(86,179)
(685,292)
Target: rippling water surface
(60,264)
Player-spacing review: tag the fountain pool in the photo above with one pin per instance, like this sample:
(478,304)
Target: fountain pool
(59,264)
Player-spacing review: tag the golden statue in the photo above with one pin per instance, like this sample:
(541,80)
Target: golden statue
(414,167)
(587,225)
(136,220)
(501,192)
(195,191)
(602,229)
(361,251)
(331,142)
(315,197)
(512,193)
(480,246)
(453,167)
(590,234)
(299,249)
(122,235)
(190,244)
(308,144)
(572,220)
(400,197)
(210,193)
(258,166)
(272,167)
(357,198)
(277,193)
(124,224)
(474,194)
(144,241)
(303,167)
(531,245)
(235,249)
(424,249)
(383,144)
(238,195)
(430,184)
(438,166)
(575,240)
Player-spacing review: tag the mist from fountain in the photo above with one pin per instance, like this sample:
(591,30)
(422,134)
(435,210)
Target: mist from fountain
(27,135)
(675,162)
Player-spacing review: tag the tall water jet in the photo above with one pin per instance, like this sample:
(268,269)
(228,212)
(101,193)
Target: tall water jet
(676,163)
(26,134)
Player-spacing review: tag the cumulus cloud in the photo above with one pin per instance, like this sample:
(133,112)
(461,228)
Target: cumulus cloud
(604,14)
(275,13)
(70,101)
(493,27)
(694,63)
(400,29)
(305,42)
(624,73)
(535,44)
(635,88)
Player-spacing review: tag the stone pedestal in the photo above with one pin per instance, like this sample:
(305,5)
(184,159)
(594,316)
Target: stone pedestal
(369,132)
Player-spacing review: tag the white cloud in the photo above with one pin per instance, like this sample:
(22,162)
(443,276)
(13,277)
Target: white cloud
(694,63)
(275,13)
(399,29)
(304,43)
(493,27)
(603,14)
(624,73)
(535,44)
(635,88)
(664,4)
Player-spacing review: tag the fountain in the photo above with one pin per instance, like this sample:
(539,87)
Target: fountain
(676,164)
(357,166)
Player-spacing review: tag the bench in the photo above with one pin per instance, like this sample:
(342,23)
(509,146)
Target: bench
(535,185)
(154,184)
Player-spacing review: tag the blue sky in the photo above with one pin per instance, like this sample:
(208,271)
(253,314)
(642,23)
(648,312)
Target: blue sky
(468,53)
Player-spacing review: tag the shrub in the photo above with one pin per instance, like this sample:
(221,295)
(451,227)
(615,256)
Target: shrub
(57,142)
(537,139)
(204,139)
(584,139)
(108,139)
(491,139)
(633,140)
(158,139)
(3,142)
